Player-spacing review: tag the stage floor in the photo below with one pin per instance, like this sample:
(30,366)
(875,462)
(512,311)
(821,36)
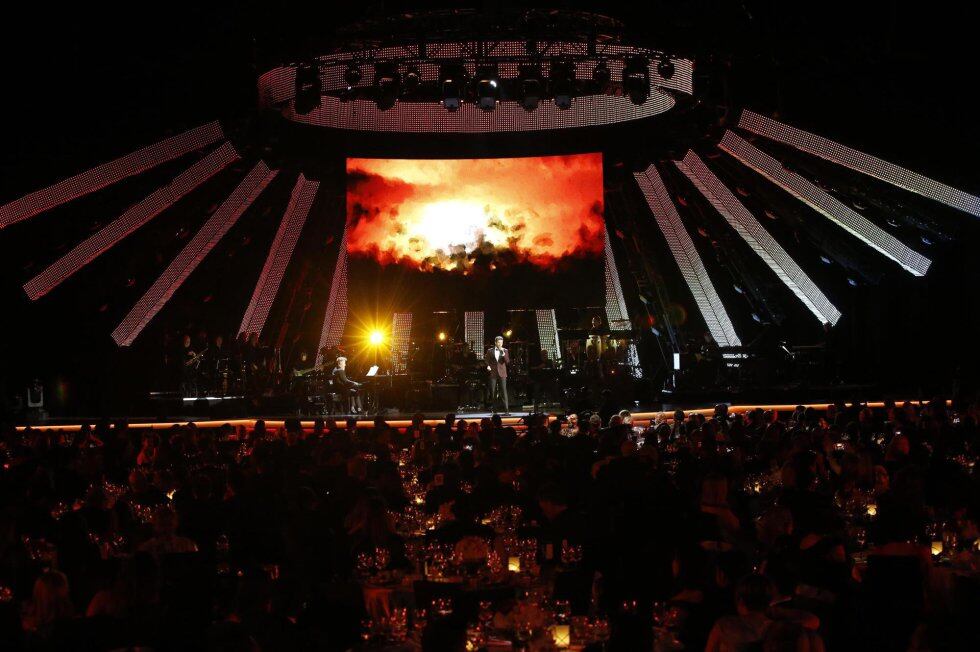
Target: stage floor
(641,415)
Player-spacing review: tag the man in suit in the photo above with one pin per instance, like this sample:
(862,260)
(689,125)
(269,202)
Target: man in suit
(346,386)
(497,359)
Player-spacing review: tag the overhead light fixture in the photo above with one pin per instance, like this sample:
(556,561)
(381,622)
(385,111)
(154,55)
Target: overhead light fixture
(352,75)
(487,88)
(530,87)
(665,67)
(412,79)
(636,79)
(601,75)
(562,80)
(452,83)
(308,88)
(386,83)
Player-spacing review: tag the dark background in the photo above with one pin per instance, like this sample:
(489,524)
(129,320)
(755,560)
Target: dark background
(83,84)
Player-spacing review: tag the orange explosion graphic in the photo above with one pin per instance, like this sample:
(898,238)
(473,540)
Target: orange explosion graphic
(449,215)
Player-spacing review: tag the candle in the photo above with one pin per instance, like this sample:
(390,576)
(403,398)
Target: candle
(937,548)
(872,509)
(514,564)
(562,636)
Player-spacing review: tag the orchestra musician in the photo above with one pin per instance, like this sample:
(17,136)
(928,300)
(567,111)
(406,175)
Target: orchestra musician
(190,361)
(497,359)
(346,386)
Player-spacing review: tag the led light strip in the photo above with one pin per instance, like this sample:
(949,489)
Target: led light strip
(109,173)
(858,161)
(193,253)
(335,315)
(473,331)
(131,220)
(280,252)
(548,333)
(616,315)
(401,334)
(828,206)
(763,244)
(691,266)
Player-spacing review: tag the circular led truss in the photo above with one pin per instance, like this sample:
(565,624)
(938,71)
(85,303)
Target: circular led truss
(344,105)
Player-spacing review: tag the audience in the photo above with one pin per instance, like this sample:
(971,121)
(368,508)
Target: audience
(799,530)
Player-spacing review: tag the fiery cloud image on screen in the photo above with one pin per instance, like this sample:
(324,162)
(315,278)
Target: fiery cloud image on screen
(454,215)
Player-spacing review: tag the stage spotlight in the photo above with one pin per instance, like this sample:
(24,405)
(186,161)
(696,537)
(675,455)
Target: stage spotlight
(412,79)
(487,88)
(386,85)
(452,82)
(563,82)
(442,336)
(601,75)
(665,67)
(530,87)
(508,332)
(308,87)
(352,75)
(376,337)
(636,79)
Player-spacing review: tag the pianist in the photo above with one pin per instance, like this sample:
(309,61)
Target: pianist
(346,386)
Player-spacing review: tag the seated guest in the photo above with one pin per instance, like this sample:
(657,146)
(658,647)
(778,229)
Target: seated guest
(49,609)
(165,539)
(718,521)
(748,628)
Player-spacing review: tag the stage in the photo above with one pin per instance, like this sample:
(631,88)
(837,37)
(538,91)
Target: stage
(640,417)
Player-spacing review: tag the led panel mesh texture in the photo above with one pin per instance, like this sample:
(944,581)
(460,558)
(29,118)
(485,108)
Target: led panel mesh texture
(279,254)
(193,253)
(763,244)
(691,266)
(616,315)
(133,218)
(417,117)
(109,173)
(473,331)
(335,314)
(859,162)
(828,206)
(548,333)
(401,335)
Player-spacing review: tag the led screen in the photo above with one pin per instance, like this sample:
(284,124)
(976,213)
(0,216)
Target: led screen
(475,234)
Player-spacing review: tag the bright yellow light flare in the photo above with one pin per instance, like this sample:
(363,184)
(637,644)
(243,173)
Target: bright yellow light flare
(376,337)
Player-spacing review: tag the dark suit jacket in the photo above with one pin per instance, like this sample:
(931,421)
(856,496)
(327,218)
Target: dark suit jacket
(498,369)
(341,380)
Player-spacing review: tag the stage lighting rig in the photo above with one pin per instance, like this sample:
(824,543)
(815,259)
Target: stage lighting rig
(352,75)
(308,88)
(636,79)
(452,83)
(601,76)
(665,67)
(412,79)
(487,88)
(530,87)
(386,83)
(563,82)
